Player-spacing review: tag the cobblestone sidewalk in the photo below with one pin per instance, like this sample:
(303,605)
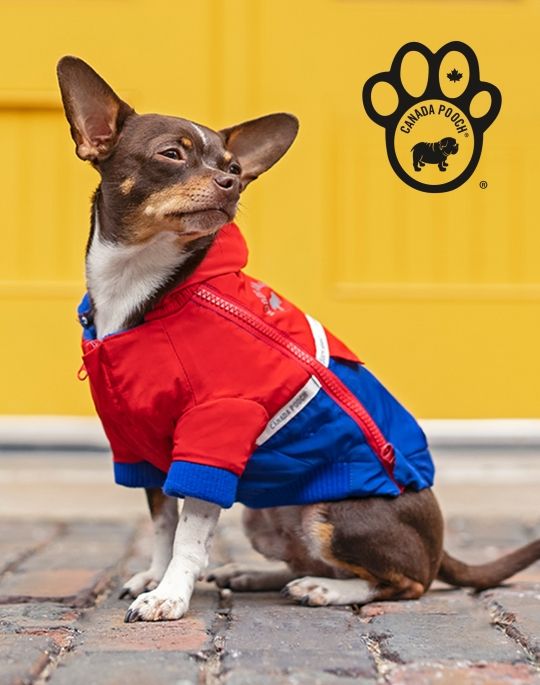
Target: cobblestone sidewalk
(61,621)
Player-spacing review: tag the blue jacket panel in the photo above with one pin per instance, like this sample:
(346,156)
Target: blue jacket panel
(321,454)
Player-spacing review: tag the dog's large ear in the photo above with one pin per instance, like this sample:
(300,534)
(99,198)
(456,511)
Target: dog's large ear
(94,111)
(260,143)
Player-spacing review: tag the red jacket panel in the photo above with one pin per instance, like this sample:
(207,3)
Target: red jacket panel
(188,384)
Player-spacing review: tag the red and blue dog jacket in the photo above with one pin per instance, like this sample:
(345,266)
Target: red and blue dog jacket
(228,392)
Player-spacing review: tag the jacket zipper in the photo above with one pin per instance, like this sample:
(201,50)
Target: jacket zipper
(329,381)
(82,373)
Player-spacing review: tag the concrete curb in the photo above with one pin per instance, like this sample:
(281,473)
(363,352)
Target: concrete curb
(85,432)
(69,432)
(482,432)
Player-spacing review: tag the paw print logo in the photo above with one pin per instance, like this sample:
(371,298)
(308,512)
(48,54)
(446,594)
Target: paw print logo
(434,109)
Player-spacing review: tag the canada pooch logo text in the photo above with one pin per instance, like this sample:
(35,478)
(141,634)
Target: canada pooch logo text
(432,139)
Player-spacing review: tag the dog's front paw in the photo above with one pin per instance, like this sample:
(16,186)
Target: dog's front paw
(314,592)
(140,582)
(157,606)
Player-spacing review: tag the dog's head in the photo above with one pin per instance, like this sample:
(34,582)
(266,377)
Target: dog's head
(162,172)
(449,146)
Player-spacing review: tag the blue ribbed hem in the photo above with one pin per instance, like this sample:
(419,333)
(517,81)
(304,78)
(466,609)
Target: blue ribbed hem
(186,479)
(140,474)
(335,481)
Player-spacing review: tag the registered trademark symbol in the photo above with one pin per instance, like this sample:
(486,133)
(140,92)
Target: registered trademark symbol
(483,185)
(466,135)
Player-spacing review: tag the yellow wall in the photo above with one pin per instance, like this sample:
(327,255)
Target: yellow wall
(438,293)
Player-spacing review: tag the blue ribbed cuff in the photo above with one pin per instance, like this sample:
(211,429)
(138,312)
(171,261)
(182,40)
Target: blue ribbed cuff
(140,474)
(210,483)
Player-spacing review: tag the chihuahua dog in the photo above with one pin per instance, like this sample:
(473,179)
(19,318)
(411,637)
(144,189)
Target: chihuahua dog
(213,388)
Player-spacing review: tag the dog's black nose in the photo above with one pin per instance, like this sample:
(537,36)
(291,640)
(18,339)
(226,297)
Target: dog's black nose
(225,182)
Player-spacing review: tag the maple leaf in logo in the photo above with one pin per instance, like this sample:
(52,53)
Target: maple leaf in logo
(454,76)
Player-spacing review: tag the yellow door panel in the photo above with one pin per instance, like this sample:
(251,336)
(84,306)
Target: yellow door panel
(439,293)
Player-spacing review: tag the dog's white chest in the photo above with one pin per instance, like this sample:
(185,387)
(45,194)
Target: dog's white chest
(121,278)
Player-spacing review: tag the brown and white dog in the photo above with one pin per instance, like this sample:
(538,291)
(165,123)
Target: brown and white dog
(167,186)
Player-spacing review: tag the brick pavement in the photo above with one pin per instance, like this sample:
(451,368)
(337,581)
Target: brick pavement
(61,621)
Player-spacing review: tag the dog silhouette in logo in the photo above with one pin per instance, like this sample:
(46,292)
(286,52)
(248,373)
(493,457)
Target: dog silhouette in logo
(434,153)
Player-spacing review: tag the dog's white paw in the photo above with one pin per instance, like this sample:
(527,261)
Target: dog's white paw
(320,592)
(156,606)
(315,592)
(140,582)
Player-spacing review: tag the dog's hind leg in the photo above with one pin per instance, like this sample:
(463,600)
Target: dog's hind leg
(252,577)
(164,513)
(378,548)
(314,591)
(277,534)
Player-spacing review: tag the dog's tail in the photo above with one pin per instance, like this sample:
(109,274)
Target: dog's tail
(483,576)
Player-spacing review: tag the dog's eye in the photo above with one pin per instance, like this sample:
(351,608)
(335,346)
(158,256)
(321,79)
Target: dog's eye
(234,168)
(171,153)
